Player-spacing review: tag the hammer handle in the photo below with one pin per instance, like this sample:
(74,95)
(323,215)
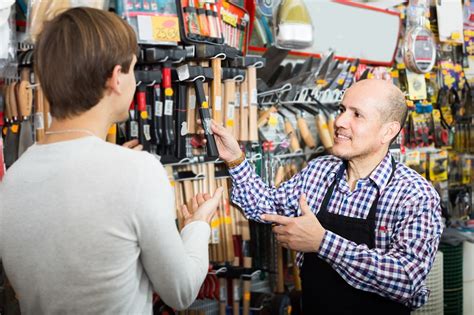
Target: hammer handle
(181,125)
(216,91)
(39,113)
(252,90)
(331,121)
(229,103)
(306,133)
(290,131)
(12,97)
(244,111)
(323,131)
(205,115)
(264,116)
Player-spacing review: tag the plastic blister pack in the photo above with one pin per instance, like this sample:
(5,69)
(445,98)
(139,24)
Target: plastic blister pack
(7,35)
(293,27)
(154,21)
(214,22)
(40,11)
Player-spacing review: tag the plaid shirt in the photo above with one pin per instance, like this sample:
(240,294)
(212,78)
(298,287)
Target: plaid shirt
(408,222)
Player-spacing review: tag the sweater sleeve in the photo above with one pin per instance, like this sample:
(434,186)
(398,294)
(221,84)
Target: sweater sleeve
(175,264)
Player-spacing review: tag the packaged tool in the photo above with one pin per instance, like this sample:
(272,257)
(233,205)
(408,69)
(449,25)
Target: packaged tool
(438,166)
(419,49)
(293,25)
(40,11)
(7,33)
(214,22)
(155,22)
(416,160)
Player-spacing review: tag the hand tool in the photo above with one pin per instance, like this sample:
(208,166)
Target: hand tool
(132,123)
(222,294)
(284,75)
(212,21)
(304,129)
(215,53)
(236,291)
(39,113)
(350,78)
(294,26)
(47,113)
(142,113)
(191,109)
(323,130)
(295,294)
(252,90)
(4,128)
(246,284)
(168,126)
(244,111)
(265,115)
(237,108)
(229,245)
(157,115)
(181,125)
(202,19)
(11,139)
(291,133)
(2,161)
(230,76)
(25,104)
(190,17)
(216,91)
(112,134)
(274,56)
(198,74)
(249,99)
(321,124)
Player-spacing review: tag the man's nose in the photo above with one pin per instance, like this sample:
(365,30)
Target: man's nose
(341,120)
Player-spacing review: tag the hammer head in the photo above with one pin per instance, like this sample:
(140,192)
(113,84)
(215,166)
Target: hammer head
(148,76)
(191,73)
(248,61)
(175,54)
(233,74)
(206,51)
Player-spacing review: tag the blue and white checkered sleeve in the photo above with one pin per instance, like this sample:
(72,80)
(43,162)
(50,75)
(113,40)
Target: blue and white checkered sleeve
(399,272)
(255,198)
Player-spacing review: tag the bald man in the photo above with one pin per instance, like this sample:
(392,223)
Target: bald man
(366,228)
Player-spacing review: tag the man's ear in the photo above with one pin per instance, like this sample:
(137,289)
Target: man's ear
(391,129)
(113,82)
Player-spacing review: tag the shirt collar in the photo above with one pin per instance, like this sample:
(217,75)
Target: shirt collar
(340,166)
(381,174)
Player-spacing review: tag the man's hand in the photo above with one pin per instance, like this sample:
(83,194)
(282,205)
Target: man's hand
(204,207)
(303,233)
(227,145)
(133,144)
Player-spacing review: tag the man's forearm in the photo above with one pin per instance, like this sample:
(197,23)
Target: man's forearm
(255,198)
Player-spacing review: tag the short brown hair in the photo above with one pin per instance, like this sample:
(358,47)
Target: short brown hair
(75,55)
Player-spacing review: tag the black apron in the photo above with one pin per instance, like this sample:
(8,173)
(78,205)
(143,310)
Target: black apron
(324,290)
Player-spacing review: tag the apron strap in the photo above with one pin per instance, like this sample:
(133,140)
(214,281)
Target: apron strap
(373,208)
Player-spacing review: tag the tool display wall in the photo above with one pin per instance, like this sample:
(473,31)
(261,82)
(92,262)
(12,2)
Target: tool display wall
(281,109)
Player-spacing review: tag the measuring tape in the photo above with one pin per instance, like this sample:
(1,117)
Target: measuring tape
(419,49)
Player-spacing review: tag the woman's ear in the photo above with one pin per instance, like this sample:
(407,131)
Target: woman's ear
(113,82)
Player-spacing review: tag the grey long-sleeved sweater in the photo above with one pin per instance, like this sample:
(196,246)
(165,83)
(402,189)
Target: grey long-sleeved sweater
(87,227)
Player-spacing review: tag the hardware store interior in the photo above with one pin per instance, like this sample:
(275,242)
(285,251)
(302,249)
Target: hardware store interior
(236,157)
